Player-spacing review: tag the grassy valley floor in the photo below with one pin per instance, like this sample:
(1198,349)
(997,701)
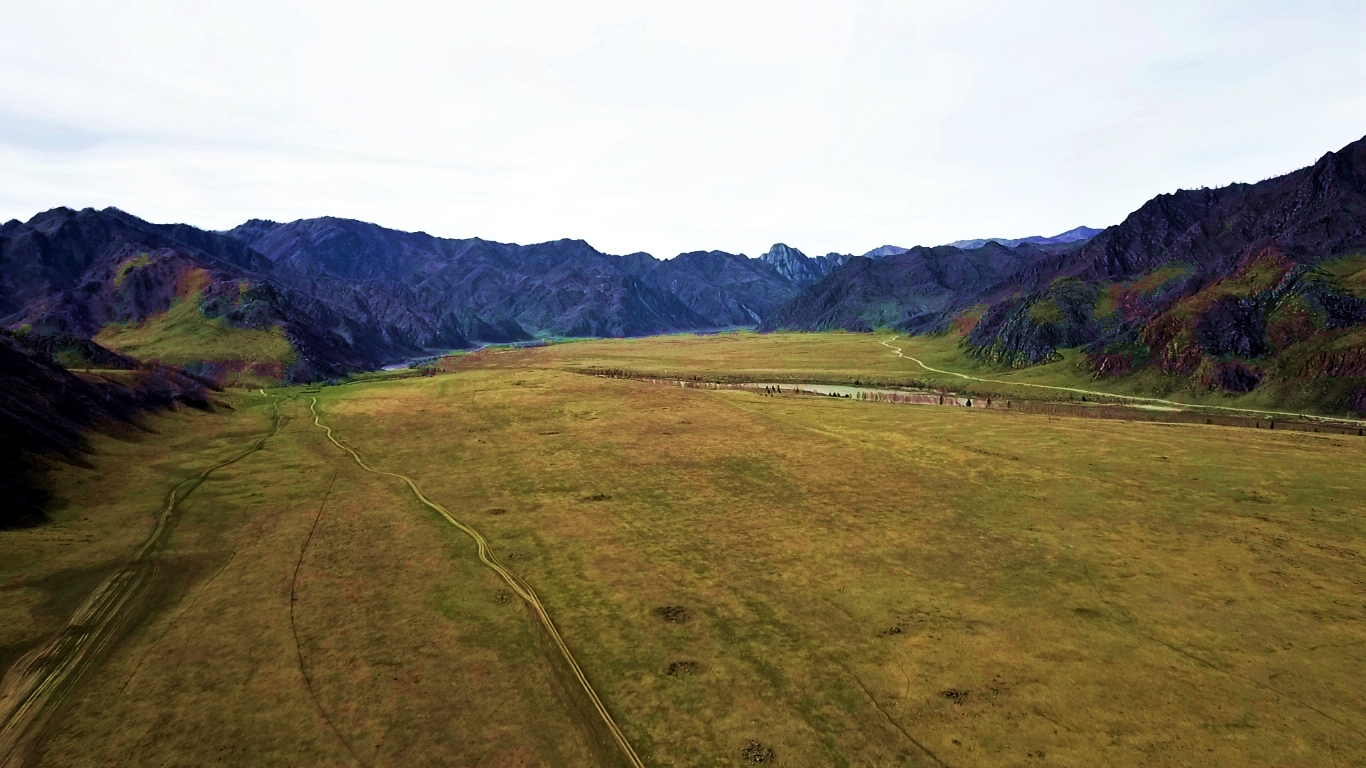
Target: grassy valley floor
(741,577)
(869,358)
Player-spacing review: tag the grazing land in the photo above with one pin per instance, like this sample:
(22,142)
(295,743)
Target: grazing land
(868,358)
(742,578)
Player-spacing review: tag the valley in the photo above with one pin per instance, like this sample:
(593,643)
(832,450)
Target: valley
(739,577)
(641,385)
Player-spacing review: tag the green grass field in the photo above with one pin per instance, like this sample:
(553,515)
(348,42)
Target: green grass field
(826,582)
(846,358)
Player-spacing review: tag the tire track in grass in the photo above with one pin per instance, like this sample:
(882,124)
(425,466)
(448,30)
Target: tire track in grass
(37,683)
(873,700)
(518,585)
(294,629)
(1134,398)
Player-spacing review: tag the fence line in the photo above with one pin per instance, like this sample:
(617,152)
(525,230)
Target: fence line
(946,398)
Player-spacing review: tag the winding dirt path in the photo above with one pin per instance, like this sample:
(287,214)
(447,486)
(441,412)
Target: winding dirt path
(1134,398)
(39,680)
(518,585)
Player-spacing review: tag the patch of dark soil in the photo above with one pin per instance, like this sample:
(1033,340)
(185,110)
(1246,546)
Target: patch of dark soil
(597,497)
(502,597)
(919,622)
(1089,613)
(956,695)
(518,556)
(673,614)
(999,686)
(497,511)
(683,668)
(755,753)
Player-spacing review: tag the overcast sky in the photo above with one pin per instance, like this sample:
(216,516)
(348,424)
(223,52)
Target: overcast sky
(668,127)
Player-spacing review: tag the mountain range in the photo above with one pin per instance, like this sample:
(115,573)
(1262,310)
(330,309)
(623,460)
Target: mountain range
(1070,236)
(1231,286)
(317,298)
(1250,286)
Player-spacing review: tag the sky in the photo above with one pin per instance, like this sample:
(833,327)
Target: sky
(664,126)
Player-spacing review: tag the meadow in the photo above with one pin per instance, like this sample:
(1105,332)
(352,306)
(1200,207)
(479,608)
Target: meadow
(743,578)
(869,358)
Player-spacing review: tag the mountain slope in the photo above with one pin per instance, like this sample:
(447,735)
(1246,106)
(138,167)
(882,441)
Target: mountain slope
(885,250)
(320,297)
(1309,215)
(915,291)
(725,288)
(45,409)
(86,273)
(1248,287)
(564,288)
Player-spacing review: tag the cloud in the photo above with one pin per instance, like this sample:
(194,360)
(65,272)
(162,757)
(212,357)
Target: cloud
(668,127)
(31,133)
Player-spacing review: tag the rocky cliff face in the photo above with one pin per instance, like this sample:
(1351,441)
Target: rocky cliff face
(798,268)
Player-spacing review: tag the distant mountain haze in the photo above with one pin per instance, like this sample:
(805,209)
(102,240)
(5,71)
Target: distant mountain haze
(885,250)
(1070,236)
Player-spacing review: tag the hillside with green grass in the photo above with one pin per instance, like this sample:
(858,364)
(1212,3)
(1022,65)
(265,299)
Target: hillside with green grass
(185,336)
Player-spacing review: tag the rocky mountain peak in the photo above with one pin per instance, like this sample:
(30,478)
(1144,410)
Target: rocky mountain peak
(252,230)
(798,267)
(883,251)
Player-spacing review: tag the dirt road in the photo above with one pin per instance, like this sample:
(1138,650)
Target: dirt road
(38,681)
(1111,395)
(518,585)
